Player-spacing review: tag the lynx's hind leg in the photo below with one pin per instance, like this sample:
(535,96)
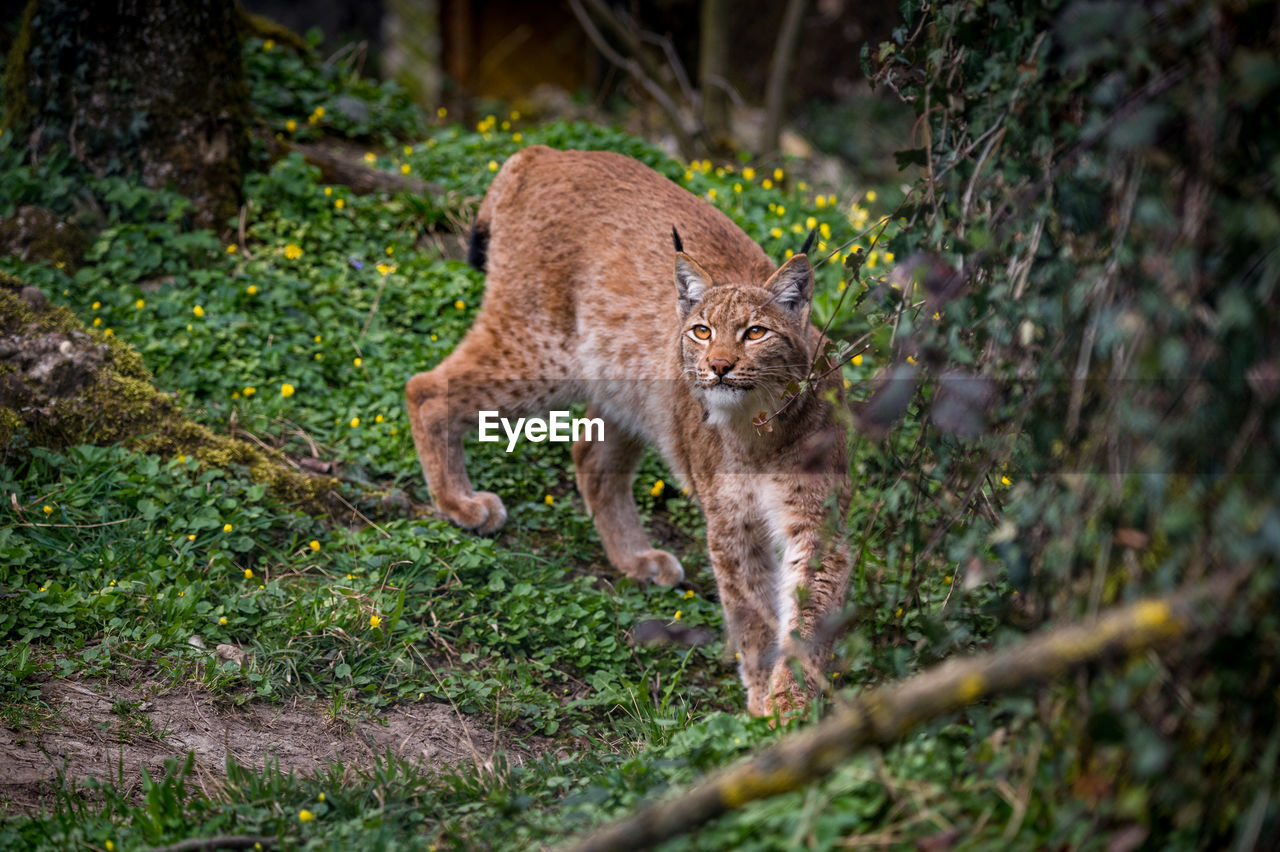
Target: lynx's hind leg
(443,404)
(606,472)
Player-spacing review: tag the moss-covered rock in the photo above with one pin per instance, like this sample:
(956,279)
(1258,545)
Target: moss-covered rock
(62,384)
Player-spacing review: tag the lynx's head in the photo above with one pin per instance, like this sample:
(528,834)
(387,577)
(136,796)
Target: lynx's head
(741,344)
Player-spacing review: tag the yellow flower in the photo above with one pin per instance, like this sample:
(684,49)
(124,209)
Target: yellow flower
(48,510)
(97,321)
(222,619)
(370,157)
(656,490)
(460,305)
(97,305)
(317,338)
(355,421)
(810,223)
(797,228)
(737,187)
(831,199)
(749,173)
(776,233)
(688,176)
(384,269)
(252,289)
(248,573)
(328,190)
(711,194)
(339,204)
(318,356)
(911,359)
(777,174)
(515,115)
(109,846)
(305,815)
(390,250)
(291,125)
(320,797)
(315,545)
(847,384)
(250,390)
(679,613)
(408,149)
(888,257)
(493,165)
(871,195)
(688,595)
(319,113)
(375,621)
(1006,481)
(140,304)
(781,211)
(378,419)
(820,202)
(441,112)
(549,500)
(405,168)
(191,536)
(108,333)
(517,136)
(286,390)
(899,613)
(358,361)
(857,360)
(226,528)
(198,311)
(268,44)
(766,183)
(825,230)
(937,315)
(790,253)
(293,251)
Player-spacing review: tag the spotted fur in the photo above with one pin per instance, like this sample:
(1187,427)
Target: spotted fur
(586,300)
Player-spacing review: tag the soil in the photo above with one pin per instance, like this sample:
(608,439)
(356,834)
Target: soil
(110,732)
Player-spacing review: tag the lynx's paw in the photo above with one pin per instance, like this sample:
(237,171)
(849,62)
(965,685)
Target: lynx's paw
(788,698)
(483,512)
(656,565)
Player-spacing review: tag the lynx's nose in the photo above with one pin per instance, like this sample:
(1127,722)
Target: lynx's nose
(720,366)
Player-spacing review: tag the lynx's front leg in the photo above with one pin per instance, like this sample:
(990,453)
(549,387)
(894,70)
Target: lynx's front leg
(813,581)
(743,564)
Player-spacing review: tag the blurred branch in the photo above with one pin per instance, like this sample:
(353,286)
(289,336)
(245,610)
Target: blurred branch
(884,716)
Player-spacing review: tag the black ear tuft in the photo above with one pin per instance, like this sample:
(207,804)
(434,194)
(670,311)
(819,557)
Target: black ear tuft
(808,243)
(675,238)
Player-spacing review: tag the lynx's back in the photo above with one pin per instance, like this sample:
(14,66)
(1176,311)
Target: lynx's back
(582,239)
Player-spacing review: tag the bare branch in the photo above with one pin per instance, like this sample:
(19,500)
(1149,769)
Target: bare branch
(633,67)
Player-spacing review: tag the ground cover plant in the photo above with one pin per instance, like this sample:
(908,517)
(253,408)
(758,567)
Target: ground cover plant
(981,516)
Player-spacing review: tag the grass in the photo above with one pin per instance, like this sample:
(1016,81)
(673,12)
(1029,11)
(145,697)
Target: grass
(302,337)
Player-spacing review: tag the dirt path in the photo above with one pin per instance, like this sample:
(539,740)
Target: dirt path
(112,731)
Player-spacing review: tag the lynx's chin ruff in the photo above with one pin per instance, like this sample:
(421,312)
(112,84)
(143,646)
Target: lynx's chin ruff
(675,340)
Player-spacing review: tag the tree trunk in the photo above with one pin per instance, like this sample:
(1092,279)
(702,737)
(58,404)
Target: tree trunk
(152,87)
(775,93)
(713,69)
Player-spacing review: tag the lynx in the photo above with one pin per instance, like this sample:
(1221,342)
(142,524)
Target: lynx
(676,346)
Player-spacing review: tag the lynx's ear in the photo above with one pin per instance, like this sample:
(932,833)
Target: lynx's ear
(691,283)
(792,284)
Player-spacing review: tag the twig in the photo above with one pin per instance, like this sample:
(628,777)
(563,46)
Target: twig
(219,841)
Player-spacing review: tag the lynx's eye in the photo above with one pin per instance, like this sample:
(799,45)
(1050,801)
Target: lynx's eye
(756,332)
(701,332)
